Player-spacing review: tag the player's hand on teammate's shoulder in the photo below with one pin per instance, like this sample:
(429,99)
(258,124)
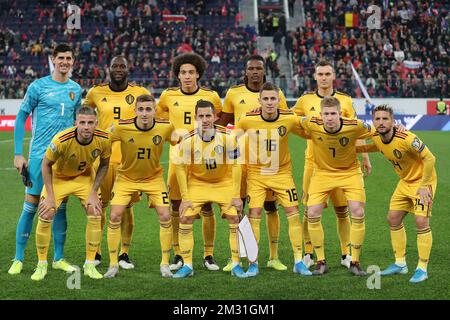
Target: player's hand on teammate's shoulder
(400,127)
(20,162)
(185,204)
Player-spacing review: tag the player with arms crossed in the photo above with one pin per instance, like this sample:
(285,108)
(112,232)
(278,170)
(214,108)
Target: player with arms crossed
(414,164)
(113,101)
(52,102)
(67,169)
(141,140)
(269,167)
(178,106)
(238,101)
(334,141)
(208,171)
(309,105)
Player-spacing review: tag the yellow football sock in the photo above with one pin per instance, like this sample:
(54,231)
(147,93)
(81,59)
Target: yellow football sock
(113,237)
(295,235)
(424,244)
(209,232)
(317,237)
(127,229)
(103,221)
(186,246)
(43,234)
(93,236)
(357,234)
(273,232)
(255,223)
(343,228)
(234,245)
(165,238)
(175,226)
(398,240)
(306,237)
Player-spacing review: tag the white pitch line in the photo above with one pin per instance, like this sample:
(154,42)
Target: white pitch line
(4,169)
(12,140)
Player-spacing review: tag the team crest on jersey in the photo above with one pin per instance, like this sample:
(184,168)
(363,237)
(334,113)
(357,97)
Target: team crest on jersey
(397,154)
(104,100)
(282,130)
(242,101)
(218,149)
(52,147)
(175,104)
(416,143)
(72,95)
(95,153)
(344,141)
(129,99)
(367,126)
(131,140)
(312,109)
(157,139)
(197,156)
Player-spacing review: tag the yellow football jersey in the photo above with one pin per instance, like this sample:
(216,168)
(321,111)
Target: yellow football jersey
(113,105)
(240,99)
(336,152)
(308,105)
(73,158)
(209,161)
(179,107)
(266,141)
(141,149)
(406,152)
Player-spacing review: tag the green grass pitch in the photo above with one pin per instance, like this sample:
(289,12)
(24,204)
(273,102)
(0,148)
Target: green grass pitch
(145,282)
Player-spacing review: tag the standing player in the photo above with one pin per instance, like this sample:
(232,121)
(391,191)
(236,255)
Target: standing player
(336,167)
(178,106)
(309,105)
(67,170)
(269,167)
(52,102)
(141,140)
(414,164)
(209,157)
(238,101)
(113,101)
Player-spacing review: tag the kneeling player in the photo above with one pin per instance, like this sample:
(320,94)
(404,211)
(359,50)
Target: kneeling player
(208,157)
(141,142)
(67,170)
(414,164)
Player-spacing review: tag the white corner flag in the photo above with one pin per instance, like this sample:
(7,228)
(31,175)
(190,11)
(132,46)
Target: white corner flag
(50,65)
(361,85)
(248,247)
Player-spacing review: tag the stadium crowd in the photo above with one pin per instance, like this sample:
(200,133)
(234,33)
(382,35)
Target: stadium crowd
(407,57)
(148,35)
